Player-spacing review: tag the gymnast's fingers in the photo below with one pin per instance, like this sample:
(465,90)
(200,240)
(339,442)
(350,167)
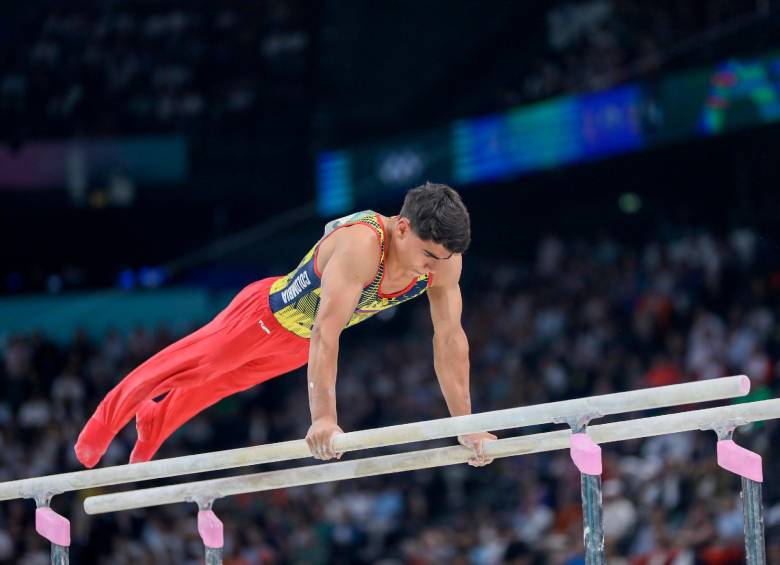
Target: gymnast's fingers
(478,450)
(334,453)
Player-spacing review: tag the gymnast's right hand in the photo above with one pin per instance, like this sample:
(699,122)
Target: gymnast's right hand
(320,438)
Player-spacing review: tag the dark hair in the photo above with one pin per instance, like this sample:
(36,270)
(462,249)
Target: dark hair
(437,213)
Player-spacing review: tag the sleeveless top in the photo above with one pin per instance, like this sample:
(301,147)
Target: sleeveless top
(295,298)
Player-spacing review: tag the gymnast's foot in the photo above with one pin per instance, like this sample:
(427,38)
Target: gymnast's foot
(143,452)
(145,448)
(93,441)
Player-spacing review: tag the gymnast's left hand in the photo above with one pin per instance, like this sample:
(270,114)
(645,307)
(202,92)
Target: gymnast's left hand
(476,442)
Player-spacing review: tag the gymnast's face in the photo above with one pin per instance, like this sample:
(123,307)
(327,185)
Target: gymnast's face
(415,254)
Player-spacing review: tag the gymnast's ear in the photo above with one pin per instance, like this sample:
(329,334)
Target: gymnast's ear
(403,227)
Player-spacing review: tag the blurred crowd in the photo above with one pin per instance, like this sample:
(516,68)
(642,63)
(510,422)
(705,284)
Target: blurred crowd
(101,67)
(600,43)
(591,45)
(583,318)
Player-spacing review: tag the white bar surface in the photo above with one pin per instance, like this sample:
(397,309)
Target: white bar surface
(604,405)
(328,472)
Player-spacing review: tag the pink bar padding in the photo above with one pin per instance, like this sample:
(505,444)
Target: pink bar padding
(585,454)
(739,460)
(210,529)
(52,526)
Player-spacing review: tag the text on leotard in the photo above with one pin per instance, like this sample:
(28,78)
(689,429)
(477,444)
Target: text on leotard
(298,285)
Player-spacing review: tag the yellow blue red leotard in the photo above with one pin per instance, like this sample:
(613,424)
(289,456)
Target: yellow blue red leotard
(295,298)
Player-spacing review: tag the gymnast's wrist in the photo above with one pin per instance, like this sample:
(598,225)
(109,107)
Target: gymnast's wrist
(324,419)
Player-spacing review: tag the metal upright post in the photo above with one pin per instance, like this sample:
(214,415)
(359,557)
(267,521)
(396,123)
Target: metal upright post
(753,512)
(586,455)
(747,465)
(54,528)
(211,531)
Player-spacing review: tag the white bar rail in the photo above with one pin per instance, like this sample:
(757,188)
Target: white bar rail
(604,433)
(607,404)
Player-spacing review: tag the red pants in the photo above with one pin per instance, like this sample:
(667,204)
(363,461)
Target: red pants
(243,346)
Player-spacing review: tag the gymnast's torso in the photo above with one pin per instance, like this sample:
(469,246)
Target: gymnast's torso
(295,297)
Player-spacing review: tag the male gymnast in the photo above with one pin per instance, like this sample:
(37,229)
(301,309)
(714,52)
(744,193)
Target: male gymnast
(363,264)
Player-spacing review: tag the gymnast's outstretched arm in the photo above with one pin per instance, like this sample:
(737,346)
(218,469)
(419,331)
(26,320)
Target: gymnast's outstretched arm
(343,278)
(451,350)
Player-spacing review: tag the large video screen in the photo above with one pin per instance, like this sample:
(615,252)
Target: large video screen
(732,95)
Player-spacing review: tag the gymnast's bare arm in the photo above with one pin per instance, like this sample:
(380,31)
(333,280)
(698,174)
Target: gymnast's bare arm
(451,350)
(352,260)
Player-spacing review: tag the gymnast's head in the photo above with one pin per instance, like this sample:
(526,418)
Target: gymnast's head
(433,225)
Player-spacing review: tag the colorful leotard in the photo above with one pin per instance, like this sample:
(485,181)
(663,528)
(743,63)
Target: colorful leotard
(295,298)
